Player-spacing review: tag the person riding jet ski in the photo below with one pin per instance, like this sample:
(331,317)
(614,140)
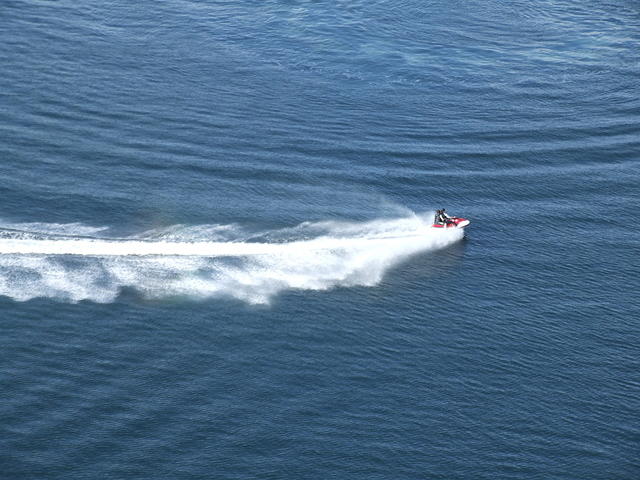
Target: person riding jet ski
(442,218)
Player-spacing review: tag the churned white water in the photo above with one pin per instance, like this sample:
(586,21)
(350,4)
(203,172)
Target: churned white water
(179,261)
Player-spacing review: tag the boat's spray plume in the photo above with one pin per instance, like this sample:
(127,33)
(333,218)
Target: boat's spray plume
(194,262)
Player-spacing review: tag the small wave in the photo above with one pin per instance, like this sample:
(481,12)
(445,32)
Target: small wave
(40,230)
(177,261)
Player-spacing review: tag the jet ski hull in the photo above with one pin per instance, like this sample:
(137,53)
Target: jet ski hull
(456,222)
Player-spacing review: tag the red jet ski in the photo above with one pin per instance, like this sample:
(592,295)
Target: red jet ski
(452,222)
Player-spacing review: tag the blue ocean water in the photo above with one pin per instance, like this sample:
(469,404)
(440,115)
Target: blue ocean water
(338,336)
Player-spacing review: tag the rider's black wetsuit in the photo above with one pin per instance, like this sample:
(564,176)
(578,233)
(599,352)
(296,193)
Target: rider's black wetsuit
(442,218)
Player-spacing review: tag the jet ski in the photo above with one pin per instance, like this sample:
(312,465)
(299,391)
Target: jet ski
(453,222)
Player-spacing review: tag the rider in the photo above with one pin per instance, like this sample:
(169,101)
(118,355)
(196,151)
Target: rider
(442,218)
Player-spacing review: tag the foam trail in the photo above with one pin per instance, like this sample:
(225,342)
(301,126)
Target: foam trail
(106,248)
(313,256)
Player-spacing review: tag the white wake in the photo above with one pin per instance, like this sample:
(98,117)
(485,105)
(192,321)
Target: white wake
(206,261)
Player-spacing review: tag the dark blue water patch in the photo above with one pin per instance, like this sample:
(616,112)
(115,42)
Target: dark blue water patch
(392,346)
